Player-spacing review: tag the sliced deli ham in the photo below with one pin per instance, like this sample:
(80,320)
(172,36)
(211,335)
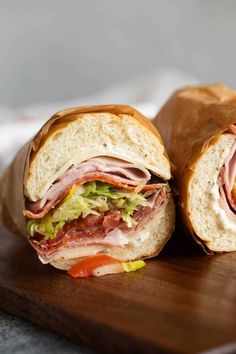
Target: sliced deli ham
(226,183)
(106,229)
(104,169)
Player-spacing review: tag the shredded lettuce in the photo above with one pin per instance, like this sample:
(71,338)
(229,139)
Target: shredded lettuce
(97,188)
(44,226)
(97,197)
(91,198)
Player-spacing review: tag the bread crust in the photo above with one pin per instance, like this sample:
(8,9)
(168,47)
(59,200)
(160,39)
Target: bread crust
(59,123)
(65,116)
(190,121)
(12,197)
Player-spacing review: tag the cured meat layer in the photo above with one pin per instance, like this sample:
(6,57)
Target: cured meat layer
(104,169)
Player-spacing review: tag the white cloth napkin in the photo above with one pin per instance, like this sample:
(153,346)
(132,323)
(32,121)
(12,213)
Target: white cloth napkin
(147,94)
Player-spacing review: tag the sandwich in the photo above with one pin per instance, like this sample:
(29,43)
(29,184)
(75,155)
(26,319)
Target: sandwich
(91,190)
(198,127)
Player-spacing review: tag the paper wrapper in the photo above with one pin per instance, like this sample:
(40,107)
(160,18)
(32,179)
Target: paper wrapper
(12,200)
(190,120)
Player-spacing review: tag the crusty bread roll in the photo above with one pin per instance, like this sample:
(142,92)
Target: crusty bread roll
(197,127)
(111,133)
(109,137)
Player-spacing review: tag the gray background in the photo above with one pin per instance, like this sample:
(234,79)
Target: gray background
(54,50)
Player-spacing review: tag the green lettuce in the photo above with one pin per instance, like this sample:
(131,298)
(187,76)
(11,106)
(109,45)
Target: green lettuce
(91,198)
(44,226)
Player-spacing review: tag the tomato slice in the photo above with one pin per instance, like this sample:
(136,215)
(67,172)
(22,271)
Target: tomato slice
(85,267)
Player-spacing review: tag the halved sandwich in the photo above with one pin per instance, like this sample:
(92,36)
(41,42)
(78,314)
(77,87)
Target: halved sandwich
(94,181)
(198,126)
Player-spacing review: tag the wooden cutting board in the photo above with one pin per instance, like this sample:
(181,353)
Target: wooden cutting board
(182,302)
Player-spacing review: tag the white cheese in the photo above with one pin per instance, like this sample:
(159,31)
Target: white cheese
(82,251)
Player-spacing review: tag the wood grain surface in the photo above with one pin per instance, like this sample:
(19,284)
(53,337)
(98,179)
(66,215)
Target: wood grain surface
(182,302)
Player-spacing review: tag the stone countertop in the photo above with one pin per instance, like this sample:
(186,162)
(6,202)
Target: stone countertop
(20,337)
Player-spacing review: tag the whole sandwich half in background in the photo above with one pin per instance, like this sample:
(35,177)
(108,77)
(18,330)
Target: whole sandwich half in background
(198,127)
(91,187)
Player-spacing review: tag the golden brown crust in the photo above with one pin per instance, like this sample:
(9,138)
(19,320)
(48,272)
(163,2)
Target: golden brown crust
(12,200)
(189,122)
(64,116)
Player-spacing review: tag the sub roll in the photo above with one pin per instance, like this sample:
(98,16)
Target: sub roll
(93,181)
(198,127)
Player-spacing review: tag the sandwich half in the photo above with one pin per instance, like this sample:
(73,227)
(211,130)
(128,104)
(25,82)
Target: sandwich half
(93,181)
(197,125)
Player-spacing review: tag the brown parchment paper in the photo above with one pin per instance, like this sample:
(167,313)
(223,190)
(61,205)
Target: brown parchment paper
(12,200)
(190,120)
